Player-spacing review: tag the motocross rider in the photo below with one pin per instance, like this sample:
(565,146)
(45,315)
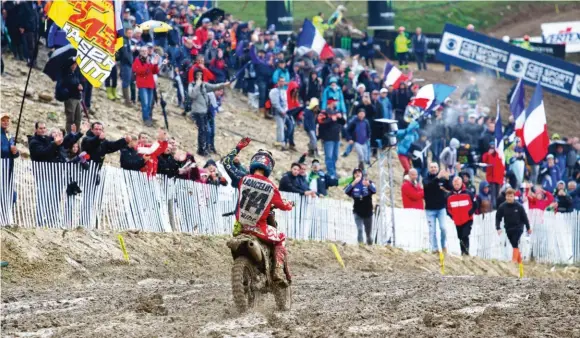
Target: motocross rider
(257,195)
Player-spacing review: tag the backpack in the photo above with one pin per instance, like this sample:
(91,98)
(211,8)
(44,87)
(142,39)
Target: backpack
(60,92)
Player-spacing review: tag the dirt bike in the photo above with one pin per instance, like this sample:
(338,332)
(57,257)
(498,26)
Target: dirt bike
(253,269)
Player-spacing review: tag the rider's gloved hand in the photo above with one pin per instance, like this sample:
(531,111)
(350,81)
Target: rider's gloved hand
(243,143)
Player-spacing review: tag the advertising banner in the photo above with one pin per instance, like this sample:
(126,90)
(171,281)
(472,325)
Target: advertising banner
(279,14)
(478,52)
(381,15)
(567,33)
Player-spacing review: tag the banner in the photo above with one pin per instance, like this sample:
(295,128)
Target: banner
(279,14)
(381,15)
(384,43)
(478,52)
(567,33)
(94,29)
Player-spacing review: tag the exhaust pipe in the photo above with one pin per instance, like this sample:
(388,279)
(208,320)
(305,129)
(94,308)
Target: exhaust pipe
(255,251)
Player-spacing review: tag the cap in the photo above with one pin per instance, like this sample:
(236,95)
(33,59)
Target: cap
(150,44)
(384,90)
(127,10)
(313,103)
(361,109)
(4,115)
(550,156)
(361,86)
(555,137)
(209,162)
(205,20)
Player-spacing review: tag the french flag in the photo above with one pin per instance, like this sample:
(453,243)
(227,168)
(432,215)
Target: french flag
(393,76)
(432,95)
(517,109)
(499,145)
(311,39)
(535,132)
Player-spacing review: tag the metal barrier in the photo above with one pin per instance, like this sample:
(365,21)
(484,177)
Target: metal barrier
(34,194)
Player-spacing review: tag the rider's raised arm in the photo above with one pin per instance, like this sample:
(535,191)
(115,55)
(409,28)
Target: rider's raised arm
(231,168)
(280,203)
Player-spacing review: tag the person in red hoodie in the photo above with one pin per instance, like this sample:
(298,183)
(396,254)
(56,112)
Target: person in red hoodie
(539,199)
(461,206)
(412,191)
(145,81)
(494,173)
(151,152)
(208,76)
(202,31)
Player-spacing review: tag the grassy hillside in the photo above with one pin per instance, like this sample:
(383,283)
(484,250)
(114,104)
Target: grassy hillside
(431,15)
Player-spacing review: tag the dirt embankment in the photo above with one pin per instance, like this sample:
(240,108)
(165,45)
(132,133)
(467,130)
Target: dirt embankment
(76,283)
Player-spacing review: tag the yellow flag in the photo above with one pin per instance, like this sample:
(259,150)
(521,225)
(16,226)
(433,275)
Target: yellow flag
(91,27)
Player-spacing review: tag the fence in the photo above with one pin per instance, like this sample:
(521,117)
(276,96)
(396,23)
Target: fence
(35,194)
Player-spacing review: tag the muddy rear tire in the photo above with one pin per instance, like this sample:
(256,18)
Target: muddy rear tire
(283,297)
(243,278)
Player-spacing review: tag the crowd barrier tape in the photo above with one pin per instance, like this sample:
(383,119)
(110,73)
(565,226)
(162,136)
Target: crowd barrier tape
(481,53)
(34,194)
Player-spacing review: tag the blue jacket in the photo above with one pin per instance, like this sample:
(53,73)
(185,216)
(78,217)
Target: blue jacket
(263,70)
(5,142)
(362,196)
(330,93)
(561,163)
(387,107)
(551,176)
(406,137)
(358,131)
(576,198)
(56,37)
(280,72)
(419,46)
(367,50)
(309,120)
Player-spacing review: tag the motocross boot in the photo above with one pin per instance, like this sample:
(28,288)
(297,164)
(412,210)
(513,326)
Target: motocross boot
(279,276)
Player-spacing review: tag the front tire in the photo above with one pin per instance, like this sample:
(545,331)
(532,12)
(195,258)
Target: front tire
(243,278)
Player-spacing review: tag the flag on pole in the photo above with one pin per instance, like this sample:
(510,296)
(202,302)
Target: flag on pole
(393,76)
(517,108)
(499,145)
(431,95)
(311,39)
(94,28)
(535,129)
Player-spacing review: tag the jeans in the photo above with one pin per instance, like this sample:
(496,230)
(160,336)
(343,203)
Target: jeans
(72,111)
(87,93)
(432,217)
(146,99)
(494,192)
(126,75)
(210,132)
(367,224)
(202,132)
(420,57)
(279,128)
(348,150)
(331,156)
(312,145)
(262,92)
(29,41)
(361,151)
(289,130)
(437,148)
(111,81)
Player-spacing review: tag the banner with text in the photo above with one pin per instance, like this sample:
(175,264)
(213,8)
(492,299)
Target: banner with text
(478,52)
(92,29)
(381,15)
(279,14)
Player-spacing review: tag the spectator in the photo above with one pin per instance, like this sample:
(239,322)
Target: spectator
(311,87)
(471,93)
(461,206)
(406,138)
(279,101)
(214,178)
(144,77)
(167,164)
(494,173)
(564,201)
(386,104)
(215,102)
(42,146)
(550,173)
(330,124)
(264,70)
(361,190)
(436,185)
(310,116)
(572,157)
(402,49)
(290,182)
(437,134)
(160,14)
(60,154)
(367,51)
(211,51)
(561,159)
(359,133)
(487,138)
(208,76)
(280,71)
(419,42)
(97,146)
(484,198)
(126,62)
(334,93)
(517,164)
(69,89)
(319,181)
(412,192)
(448,157)
(28,26)
(198,93)
(293,114)
(539,199)
(130,159)
(574,192)
(7,142)
(458,131)
(56,38)
(151,152)
(514,217)
(418,154)
(218,67)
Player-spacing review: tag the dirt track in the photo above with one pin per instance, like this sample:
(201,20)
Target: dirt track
(75,284)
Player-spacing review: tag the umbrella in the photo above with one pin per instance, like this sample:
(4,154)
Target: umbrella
(157,26)
(212,14)
(61,58)
(552,147)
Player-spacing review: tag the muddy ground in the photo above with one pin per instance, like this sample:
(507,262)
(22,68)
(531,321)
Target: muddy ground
(76,284)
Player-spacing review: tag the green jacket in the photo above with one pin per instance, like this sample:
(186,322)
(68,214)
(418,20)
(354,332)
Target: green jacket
(402,43)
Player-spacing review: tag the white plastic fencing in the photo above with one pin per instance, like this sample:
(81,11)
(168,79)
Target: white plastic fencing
(35,194)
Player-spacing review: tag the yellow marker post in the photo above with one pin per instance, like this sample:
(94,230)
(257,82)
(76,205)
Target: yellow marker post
(337,254)
(123,248)
(557,9)
(442,262)
(521,265)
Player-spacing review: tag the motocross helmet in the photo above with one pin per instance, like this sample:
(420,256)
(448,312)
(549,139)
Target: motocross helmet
(262,160)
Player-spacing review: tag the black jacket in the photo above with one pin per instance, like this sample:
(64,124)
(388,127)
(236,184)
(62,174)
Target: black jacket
(565,203)
(27,17)
(167,165)
(98,149)
(131,160)
(70,83)
(486,138)
(42,148)
(310,89)
(514,216)
(435,198)
(125,53)
(290,183)
(329,130)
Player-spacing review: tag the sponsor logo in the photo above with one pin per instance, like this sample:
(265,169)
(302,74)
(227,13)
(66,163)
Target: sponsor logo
(451,44)
(459,204)
(517,66)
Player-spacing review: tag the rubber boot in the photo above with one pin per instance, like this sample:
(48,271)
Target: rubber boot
(114,93)
(110,93)
(127,97)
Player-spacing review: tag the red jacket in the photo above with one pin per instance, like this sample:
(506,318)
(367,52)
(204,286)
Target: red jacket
(207,74)
(412,196)
(201,34)
(153,151)
(461,207)
(144,74)
(540,204)
(495,172)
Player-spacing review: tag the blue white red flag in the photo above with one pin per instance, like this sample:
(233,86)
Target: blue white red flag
(310,39)
(535,133)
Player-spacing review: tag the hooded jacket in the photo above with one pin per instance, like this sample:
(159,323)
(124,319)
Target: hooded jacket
(461,206)
(332,94)
(495,172)
(484,199)
(542,204)
(406,137)
(448,156)
(412,195)
(292,103)
(280,72)
(144,72)
(310,88)
(291,183)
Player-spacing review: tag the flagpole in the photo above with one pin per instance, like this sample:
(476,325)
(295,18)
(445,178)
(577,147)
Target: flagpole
(34,56)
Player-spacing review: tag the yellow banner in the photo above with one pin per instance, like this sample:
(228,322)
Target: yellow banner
(90,27)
